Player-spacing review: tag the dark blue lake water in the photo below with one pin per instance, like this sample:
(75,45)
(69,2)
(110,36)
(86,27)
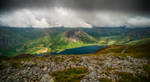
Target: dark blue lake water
(79,50)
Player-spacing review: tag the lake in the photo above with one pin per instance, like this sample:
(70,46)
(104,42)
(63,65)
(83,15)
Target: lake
(79,50)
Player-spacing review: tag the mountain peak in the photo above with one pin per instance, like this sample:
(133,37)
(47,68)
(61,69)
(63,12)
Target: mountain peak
(73,33)
(78,35)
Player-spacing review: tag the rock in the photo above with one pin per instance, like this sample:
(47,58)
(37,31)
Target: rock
(45,68)
(47,78)
(93,75)
(98,67)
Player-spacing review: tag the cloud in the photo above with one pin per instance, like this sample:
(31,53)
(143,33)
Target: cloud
(55,17)
(66,17)
(110,19)
(139,6)
(139,22)
(22,19)
(60,16)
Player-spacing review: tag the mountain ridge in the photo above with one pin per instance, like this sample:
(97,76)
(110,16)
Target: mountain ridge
(15,41)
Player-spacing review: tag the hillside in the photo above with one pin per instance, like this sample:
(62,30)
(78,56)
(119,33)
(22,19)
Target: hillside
(141,41)
(78,35)
(97,67)
(119,35)
(126,59)
(14,41)
(138,50)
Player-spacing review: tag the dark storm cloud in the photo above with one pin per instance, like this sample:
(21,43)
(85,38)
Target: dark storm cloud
(118,5)
(74,13)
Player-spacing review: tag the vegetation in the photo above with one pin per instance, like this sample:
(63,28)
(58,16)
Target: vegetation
(70,75)
(2,66)
(138,42)
(15,41)
(129,77)
(147,69)
(138,51)
(104,80)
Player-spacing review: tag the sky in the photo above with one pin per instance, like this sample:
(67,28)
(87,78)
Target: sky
(74,13)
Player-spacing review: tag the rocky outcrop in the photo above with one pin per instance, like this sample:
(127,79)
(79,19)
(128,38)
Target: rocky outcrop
(39,69)
(75,35)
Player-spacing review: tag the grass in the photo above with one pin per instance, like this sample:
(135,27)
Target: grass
(58,59)
(147,69)
(104,80)
(98,59)
(3,66)
(16,66)
(141,41)
(74,59)
(129,77)
(12,64)
(137,51)
(70,75)
(135,55)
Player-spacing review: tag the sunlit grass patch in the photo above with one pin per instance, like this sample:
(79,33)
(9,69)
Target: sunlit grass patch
(70,75)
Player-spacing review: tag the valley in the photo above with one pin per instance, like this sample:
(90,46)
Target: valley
(74,54)
(105,65)
(74,41)
(15,41)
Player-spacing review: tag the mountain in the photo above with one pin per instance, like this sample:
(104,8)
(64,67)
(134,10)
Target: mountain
(117,35)
(121,53)
(104,66)
(14,41)
(78,35)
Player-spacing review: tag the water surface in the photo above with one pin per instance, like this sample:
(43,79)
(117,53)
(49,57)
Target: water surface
(79,50)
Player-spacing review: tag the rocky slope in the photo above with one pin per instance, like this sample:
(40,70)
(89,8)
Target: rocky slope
(79,69)
(78,35)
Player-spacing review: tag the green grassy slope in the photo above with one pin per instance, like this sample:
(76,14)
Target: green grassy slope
(138,51)
(34,41)
(141,41)
(15,41)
